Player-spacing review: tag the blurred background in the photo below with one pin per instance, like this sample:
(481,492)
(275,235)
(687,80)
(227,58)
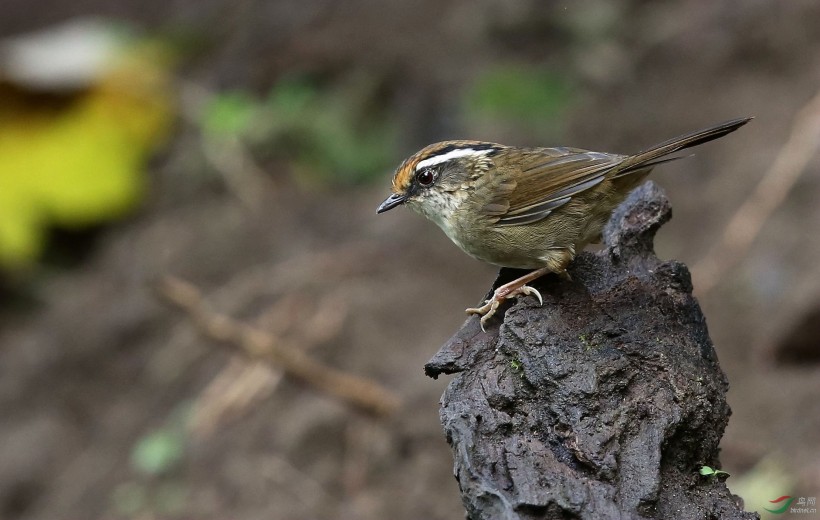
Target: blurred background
(175,172)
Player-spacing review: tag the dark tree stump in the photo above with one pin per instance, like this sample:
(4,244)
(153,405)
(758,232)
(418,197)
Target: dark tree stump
(604,402)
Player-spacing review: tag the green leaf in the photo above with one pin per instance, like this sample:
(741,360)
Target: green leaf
(706,471)
(82,164)
(336,133)
(158,452)
(292,97)
(229,113)
(530,95)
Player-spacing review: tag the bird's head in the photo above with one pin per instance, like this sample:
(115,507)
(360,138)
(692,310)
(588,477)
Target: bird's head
(438,177)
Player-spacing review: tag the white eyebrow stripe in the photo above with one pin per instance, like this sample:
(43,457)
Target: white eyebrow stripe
(449,156)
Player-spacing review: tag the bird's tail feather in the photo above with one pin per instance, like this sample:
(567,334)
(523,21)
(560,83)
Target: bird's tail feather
(652,156)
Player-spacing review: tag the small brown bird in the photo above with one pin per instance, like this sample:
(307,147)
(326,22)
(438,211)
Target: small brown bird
(528,208)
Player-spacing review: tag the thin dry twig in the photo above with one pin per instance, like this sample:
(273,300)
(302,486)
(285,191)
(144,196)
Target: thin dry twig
(261,345)
(769,194)
(240,384)
(243,382)
(302,321)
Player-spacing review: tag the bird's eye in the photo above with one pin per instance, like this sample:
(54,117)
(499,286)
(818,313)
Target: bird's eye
(425,177)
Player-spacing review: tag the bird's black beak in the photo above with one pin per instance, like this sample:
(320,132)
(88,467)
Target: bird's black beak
(391,202)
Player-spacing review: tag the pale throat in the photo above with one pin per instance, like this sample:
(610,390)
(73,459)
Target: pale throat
(440,207)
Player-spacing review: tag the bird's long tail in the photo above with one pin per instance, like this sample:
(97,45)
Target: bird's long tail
(656,154)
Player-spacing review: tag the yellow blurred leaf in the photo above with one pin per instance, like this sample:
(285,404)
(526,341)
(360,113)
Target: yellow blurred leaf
(81,164)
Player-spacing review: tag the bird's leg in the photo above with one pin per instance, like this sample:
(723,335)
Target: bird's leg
(519,287)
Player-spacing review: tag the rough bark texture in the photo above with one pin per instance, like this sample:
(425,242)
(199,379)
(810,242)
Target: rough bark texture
(602,403)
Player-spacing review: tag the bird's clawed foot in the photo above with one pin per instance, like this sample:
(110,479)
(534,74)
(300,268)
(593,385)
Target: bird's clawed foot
(504,292)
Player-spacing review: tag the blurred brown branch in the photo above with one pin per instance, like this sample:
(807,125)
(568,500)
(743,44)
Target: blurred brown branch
(233,391)
(260,345)
(243,382)
(769,194)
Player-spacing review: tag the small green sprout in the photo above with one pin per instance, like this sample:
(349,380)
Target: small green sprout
(516,365)
(706,471)
(587,340)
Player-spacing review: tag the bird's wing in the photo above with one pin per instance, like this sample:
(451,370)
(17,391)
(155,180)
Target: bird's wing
(548,179)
